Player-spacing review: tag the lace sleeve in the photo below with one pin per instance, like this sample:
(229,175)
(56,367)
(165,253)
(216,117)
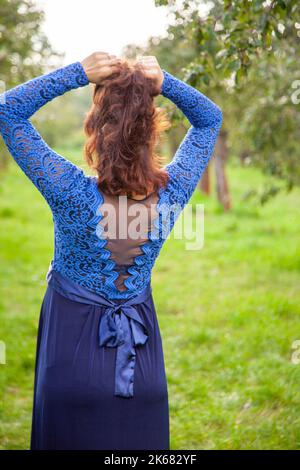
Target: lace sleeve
(50,172)
(195,150)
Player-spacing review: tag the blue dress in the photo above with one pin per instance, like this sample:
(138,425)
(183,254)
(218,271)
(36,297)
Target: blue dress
(92,397)
(100,379)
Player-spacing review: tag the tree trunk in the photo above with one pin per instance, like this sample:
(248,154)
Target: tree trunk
(220,154)
(204,184)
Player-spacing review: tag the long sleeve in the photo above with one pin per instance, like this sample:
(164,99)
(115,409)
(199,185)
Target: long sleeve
(195,150)
(50,172)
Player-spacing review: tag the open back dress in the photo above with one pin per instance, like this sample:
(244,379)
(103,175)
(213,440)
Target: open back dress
(100,380)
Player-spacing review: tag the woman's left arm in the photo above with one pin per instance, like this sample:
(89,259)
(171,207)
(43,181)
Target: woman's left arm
(49,171)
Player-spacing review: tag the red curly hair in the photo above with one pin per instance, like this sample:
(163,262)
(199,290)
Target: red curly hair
(123,127)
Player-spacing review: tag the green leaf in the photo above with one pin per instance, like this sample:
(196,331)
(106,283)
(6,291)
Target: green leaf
(234,65)
(240,74)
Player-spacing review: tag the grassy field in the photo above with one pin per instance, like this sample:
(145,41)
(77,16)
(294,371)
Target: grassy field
(228,314)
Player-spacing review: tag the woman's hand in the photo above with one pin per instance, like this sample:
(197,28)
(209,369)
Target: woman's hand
(100,65)
(152,69)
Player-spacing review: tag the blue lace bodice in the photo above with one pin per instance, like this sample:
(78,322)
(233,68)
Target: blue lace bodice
(75,201)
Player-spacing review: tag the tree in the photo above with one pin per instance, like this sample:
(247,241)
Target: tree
(24,48)
(246,59)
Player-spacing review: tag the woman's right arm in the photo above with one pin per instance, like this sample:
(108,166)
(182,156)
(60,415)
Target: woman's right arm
(50,172)
(195,150)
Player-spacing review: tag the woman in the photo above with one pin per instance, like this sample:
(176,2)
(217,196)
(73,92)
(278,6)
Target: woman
(100,379)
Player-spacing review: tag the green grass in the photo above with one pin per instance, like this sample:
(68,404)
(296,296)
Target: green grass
(228,315)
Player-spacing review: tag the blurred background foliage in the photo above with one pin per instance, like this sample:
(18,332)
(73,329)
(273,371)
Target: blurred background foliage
(244,55)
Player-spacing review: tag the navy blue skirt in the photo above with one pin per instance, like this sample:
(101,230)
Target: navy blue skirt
(100,381)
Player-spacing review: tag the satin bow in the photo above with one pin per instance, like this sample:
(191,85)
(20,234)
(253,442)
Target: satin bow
(122,327)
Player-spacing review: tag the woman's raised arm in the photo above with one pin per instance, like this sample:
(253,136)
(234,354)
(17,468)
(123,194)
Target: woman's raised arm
(50,172)
(195,150)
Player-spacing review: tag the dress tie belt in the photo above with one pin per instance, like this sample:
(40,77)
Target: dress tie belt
(120,326)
